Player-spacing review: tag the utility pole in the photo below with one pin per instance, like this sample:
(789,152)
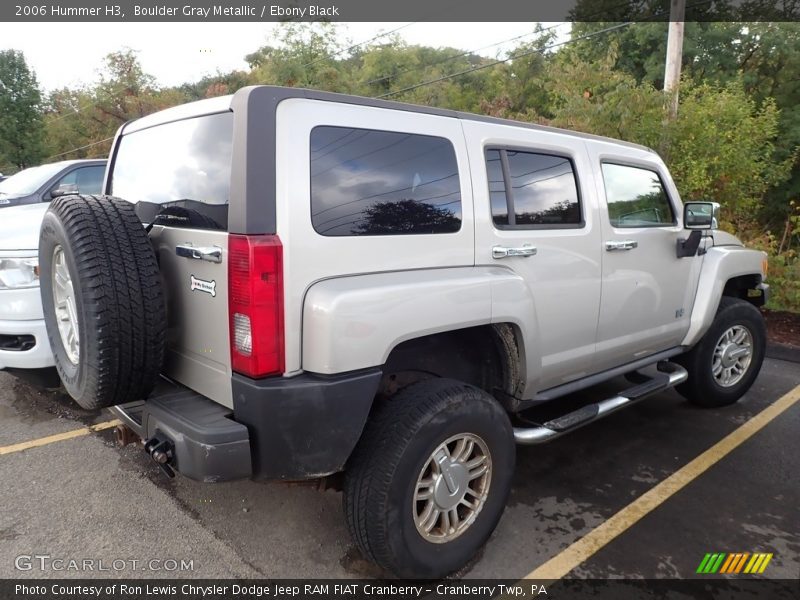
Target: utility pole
(672,71)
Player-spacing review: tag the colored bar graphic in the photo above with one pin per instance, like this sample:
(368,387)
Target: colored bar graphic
(734,563)
(727,564)
(731,562)
(751,564)
(764,564)
(757,564)
(703,563)
(717,564)
(741,562)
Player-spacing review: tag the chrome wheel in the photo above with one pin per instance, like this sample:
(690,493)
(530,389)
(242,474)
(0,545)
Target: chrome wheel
(732,356)
(452,488)
(66,310)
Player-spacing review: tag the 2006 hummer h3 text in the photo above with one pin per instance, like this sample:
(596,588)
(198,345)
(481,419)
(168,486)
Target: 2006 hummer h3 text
(290,284)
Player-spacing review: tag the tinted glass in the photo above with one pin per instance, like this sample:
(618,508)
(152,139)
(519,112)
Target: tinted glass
(636,197)
(366,182)
(183,160)
(86,180)
(543,186)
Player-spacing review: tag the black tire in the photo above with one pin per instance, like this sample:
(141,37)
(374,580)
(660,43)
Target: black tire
(117,298)
(382,475)
(702,388)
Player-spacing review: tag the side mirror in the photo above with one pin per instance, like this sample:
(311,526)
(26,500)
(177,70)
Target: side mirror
(701,215)
(63,190)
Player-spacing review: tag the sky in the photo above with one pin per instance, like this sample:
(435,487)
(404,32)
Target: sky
(70,54)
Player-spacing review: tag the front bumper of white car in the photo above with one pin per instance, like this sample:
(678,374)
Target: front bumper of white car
(23,337)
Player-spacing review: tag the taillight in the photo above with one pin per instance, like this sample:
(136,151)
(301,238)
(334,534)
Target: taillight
(255,304)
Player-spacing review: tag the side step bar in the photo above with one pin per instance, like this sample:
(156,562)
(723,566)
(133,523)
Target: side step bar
(670,375)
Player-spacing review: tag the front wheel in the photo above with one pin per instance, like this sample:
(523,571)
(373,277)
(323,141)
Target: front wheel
(726,361)
(429,479)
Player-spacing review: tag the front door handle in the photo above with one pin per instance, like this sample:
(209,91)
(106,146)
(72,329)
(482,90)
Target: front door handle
(620,245)
(503,252)
(209,253)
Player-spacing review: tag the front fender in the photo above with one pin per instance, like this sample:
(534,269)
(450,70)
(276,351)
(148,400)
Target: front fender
(720,264)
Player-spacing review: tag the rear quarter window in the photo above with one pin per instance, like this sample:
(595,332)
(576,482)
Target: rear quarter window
(370,182)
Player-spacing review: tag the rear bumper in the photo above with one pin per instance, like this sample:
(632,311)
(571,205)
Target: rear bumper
(306,426)
(207,444)
(281,428)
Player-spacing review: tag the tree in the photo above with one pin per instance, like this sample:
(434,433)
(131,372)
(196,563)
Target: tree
(303,55)
(21,127)
(80,118)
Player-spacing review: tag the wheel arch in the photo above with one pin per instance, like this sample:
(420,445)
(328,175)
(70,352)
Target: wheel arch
(490,357)
(727,271)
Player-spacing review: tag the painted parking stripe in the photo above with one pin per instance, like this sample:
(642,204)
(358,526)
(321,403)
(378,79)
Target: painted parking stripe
(59,437)
(581,550)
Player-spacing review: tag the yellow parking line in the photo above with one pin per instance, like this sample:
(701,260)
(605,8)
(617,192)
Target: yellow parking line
(564,562)
(59,437)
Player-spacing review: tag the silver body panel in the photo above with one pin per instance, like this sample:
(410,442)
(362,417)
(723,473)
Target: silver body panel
(198,339)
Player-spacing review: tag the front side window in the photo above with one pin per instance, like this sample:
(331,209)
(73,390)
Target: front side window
(530,189)
(369,182)
(636,197)
(85,180)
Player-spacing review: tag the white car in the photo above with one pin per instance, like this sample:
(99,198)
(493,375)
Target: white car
(23,338)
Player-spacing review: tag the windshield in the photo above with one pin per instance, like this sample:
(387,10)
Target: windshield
(28,181)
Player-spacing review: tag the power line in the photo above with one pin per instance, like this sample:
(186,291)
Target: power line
(354,46)
(505,60)
(108,139)
(530,52)
(466,53)
(627,3)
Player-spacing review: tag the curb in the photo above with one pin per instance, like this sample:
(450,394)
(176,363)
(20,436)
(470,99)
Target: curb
(783,352)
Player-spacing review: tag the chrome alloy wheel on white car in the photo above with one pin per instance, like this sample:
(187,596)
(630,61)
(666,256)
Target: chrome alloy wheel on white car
(732,355)
(452,488)
(65,308)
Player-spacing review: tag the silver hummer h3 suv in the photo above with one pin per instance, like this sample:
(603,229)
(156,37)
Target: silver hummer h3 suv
(290,284)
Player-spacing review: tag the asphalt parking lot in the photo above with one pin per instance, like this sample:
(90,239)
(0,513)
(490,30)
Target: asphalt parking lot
(83,498)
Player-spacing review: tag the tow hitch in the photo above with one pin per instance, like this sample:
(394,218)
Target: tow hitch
(162,453)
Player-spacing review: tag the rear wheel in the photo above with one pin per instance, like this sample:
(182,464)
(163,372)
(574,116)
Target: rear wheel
(726,361)
(429,479)
(102,300)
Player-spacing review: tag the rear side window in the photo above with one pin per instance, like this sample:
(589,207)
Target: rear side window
(636,197)
(181,170)
(368,182)
(532,189)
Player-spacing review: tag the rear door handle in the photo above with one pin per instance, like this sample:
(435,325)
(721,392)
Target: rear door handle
(620,245)
(503,252)
(208,253)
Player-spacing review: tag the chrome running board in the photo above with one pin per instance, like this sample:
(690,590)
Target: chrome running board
(670,375)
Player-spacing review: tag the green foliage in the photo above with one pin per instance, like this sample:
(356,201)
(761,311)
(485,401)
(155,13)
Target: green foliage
(84,116)
(722,147)
(20,117)
(302,56)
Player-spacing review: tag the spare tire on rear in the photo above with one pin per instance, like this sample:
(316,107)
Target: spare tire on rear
(103,304)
